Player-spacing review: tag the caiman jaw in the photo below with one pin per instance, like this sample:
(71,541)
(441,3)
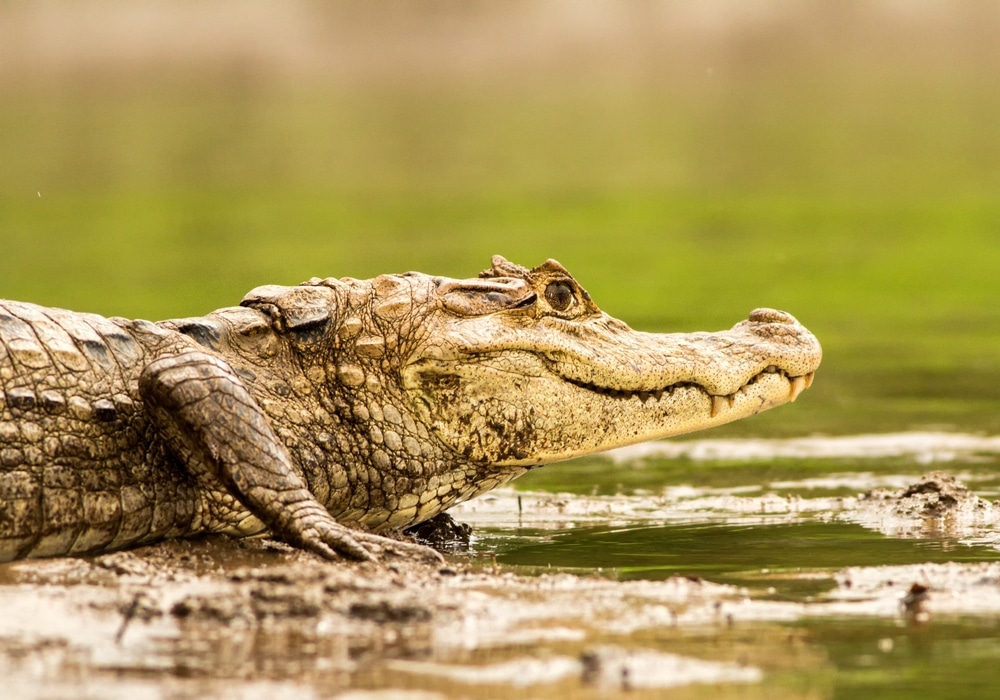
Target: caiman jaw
(530,394)
(796,385)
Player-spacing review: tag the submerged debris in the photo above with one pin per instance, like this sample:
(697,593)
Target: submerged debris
(913,601)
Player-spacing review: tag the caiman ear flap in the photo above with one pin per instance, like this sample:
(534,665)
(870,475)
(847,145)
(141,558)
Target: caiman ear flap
(292,308)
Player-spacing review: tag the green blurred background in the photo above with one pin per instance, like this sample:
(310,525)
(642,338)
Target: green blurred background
(686,161)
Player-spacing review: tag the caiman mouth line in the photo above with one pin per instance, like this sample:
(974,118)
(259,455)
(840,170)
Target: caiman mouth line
(796,386)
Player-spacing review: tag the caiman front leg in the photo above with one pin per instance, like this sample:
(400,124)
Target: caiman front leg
(208,417)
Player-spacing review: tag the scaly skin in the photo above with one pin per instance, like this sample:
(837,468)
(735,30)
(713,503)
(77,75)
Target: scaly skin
(373,404)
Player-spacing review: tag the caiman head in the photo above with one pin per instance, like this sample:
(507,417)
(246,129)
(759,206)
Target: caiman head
(519,367)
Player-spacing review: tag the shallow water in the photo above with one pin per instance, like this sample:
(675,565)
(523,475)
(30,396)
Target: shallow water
(761,557)
(781,519)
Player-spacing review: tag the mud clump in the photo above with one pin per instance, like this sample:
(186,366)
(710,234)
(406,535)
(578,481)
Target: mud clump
(937,504)
(935,494)
(940,493)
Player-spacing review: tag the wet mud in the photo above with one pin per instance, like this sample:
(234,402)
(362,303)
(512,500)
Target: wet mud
(225,618)
(217,617)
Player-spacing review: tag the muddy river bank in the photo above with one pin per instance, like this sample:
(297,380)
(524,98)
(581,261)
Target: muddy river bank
(795,588)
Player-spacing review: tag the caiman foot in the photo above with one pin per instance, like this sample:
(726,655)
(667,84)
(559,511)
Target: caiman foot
(303,522)
(387,545)
(332,541)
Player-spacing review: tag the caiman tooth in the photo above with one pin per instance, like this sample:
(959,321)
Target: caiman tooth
(643,396)
(797,386)
(718,403)
(658,394)
(809,379)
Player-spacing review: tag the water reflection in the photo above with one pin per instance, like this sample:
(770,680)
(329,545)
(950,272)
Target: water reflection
(760,557)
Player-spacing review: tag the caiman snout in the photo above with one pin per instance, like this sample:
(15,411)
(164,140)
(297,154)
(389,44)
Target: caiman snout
(784,344)
(770,316)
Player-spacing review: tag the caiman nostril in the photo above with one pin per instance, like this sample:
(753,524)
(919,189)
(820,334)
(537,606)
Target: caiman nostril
(770,316)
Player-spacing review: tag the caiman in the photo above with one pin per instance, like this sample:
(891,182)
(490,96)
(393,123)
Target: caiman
(326,412)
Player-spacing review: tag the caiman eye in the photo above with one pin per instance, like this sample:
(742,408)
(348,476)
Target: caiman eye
(559,295)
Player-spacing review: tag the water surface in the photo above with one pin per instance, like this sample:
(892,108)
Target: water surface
(788,531)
